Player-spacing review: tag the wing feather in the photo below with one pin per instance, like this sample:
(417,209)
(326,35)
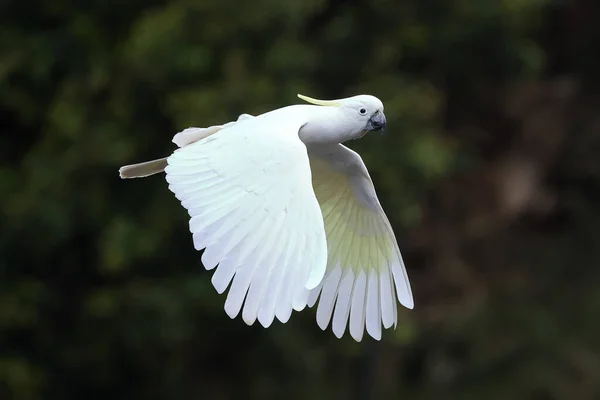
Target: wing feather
(373,310)
(342,305)
(266,313)
(328,296)
(357,312)
(283,309)
(365,274)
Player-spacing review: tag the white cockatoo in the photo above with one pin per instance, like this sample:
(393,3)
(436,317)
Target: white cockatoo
(288,215)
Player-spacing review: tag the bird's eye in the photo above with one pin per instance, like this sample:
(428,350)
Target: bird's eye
(362,111)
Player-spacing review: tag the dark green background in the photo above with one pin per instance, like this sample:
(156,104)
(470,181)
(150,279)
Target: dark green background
(490,173)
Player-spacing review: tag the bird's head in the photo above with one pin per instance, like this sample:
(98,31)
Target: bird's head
(361,114)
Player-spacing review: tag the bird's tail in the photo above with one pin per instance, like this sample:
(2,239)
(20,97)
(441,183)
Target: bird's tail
(144,169)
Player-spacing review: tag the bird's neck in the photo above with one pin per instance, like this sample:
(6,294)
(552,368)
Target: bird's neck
(327,125)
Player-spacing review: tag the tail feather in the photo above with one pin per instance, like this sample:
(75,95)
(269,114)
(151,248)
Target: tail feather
(144,169)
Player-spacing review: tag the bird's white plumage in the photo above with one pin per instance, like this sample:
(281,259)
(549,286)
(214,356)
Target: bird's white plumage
(365,270)
(287,216)
(247,188)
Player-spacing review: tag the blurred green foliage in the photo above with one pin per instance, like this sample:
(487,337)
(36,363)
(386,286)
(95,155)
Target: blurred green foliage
(101,292)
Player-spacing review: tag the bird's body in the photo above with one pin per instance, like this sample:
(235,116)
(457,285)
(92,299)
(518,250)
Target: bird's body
(286,214)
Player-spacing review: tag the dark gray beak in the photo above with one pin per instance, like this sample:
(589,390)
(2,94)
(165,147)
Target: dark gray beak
(376,122)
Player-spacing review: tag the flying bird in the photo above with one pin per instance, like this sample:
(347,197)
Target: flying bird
(288,216)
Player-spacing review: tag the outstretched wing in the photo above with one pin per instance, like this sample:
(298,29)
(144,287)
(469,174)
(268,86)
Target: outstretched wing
(248,191)
(364,264)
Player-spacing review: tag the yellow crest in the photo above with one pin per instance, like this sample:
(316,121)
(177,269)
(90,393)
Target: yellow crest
(330,103)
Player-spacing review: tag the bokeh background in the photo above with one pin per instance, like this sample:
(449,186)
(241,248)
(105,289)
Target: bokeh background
(489,172)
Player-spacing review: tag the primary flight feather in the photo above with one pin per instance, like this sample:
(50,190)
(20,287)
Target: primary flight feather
(288,216)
